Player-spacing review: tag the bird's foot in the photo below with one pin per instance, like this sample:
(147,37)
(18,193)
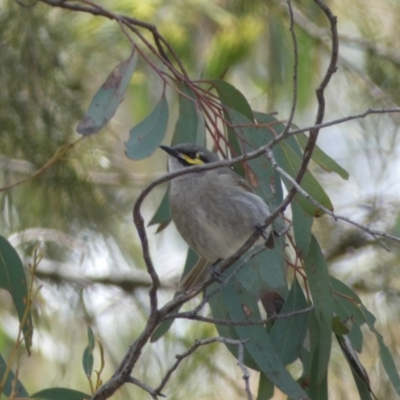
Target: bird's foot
(215,274)
(261,231)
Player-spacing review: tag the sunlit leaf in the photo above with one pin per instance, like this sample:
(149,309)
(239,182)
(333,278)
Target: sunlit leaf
(12,279)
(108,98)
(145,137)
(11,386)
(60,394)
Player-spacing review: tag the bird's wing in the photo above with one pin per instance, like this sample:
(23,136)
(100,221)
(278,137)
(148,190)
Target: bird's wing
(232,178)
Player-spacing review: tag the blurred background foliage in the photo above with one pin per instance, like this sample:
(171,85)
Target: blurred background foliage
(79,210)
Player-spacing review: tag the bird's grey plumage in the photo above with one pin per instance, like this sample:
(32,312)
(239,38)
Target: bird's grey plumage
(215,211)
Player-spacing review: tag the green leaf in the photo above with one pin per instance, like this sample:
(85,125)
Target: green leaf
(362,387)
(291,164)
(302,224)
(264,180)
(318,390)
(60,394)
(359,373)
(265,388)
(145,137)
(108,98)
(287,157)
(264,272)
(232,98)
(348,305)
(10,384)
(163,215)
(384,352)
(243,307)
(319,284)
(190,126)
(288,334)
(322,159)
(87,359)
(12,279)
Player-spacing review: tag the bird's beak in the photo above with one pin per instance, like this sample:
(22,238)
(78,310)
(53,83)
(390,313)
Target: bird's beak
(170,150)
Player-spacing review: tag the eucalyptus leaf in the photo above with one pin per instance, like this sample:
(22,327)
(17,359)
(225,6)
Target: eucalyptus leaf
(321,291)
(145,137)
(288,334)
(60,394)
(12,279)
(242,306)
(302,224)
(384,352)
(88,359)
(108,98)
(12,385)
(322,159)
(190,126)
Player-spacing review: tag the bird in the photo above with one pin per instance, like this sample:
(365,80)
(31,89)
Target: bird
(214,211)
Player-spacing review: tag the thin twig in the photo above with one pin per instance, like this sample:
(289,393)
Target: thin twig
(196,345)
(191,315)
(373,232)
(152,392)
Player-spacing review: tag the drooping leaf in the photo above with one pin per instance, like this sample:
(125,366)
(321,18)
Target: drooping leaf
(12,279)
(287,334)
(265,272)
(317,390)
(162,215)
(291,165)
(322,159)
(87,359)
(108,98)
(359,373)
(302,224)
(319,284)
(232,98)
(384,352)
(348,305)
(145,137)
(242,306)
(190,126)
(60,394)
(289,160)
(363,390)
(11,386)
(265,388)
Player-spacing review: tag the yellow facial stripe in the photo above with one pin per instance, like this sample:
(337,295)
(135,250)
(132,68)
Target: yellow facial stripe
(193,161)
